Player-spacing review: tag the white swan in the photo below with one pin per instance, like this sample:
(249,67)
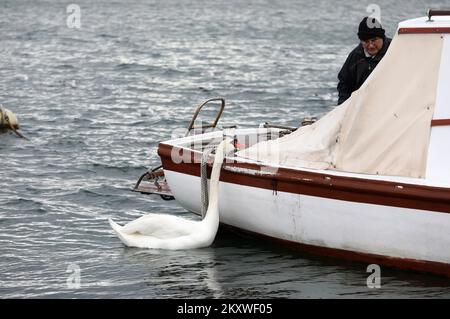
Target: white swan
(172,232)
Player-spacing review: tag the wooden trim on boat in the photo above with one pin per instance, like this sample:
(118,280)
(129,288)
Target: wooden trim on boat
(440,122)
(345,188)
(423,30)
(395,262)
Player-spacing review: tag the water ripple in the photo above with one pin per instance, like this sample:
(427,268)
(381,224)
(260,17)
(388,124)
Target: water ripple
(95,102)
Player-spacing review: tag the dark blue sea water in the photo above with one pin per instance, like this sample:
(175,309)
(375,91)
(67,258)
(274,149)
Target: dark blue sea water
(95,101)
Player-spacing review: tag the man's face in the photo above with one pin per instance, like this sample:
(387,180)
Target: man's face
(372,46)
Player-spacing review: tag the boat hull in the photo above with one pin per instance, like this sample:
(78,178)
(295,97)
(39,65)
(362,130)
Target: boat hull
(381,222)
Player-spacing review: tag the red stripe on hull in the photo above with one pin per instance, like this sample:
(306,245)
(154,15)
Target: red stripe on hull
(440,122)
(322,185)
(423,30)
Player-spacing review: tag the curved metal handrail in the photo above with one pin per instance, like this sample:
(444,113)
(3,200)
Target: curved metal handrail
(197,111)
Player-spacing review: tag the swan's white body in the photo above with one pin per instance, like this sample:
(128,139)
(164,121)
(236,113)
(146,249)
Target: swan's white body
(172,232)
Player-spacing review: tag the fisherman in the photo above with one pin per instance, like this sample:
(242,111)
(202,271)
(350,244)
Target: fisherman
(364,58)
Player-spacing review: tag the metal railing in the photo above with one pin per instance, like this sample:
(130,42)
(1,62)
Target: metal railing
(197,111)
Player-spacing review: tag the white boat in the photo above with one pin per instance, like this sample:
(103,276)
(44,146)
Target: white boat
(369,182)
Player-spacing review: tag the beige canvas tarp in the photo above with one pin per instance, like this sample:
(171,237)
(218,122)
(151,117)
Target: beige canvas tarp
(383,128)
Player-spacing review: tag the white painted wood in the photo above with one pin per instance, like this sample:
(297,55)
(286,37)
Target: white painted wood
(422,22)
(442,107)
(367,228)
(376,229)
(438,163)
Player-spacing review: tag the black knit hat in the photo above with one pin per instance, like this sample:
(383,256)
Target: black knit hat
(370,29)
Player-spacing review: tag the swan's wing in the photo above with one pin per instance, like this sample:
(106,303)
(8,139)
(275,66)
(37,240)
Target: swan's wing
(134,240)
(160,226)
(125,238)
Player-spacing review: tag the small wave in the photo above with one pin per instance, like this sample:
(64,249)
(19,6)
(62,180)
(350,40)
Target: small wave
(146,65)
(107,36)
(134,67)
(21,77)
(65,66)
(123,61)
(34,34)
(23,203)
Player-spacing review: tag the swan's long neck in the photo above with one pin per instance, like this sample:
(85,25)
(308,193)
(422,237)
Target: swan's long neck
(212,214)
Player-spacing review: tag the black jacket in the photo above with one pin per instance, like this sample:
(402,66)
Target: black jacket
(357,69)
